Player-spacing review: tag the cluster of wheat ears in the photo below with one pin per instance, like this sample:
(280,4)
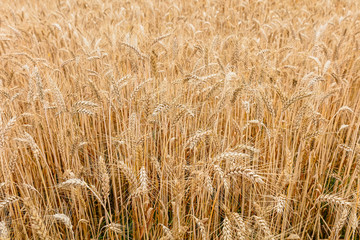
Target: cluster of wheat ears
(174,119)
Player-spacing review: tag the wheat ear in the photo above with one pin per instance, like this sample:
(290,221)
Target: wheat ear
(37,223)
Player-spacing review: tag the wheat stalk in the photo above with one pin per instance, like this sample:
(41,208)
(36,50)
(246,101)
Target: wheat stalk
(4,231)
(104,178)
(222,176)
(137,51)
(201,226)
(238,225)
(227,233)
(37,223)
(65,220)
(245,172)
(193,141)
(297,97)
(129,174)
(341,221)
(59,97)
(144,181)
(4,132)
(115,227)
(7,201)
(231,156)
(333,199)
(73,182)
(264,227)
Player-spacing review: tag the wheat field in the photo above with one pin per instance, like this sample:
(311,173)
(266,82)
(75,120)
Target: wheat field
(179,119)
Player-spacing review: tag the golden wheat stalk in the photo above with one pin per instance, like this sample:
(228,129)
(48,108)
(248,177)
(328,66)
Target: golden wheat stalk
(4,231)
(36,220)
(66,221)
(104,178)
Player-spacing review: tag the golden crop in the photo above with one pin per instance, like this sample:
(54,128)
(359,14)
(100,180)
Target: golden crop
(179,119)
